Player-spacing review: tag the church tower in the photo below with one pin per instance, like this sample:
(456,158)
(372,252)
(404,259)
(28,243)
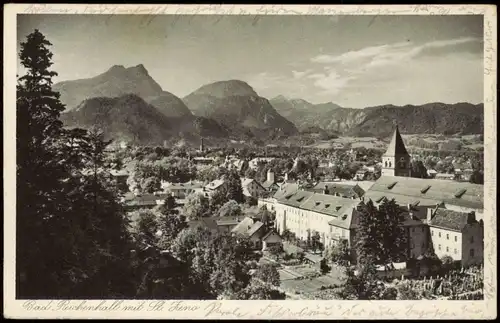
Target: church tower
(396,160)
(202,148)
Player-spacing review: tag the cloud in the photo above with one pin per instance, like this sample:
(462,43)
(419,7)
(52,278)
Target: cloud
(299,75)
(375,56)
(331,82)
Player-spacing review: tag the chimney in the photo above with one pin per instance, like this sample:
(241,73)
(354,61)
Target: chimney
(471,217)
(270,176)
(325,190)
(430,214)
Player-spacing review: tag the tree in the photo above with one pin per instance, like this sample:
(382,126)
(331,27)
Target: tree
(477,177)
(381,236)
(340,254)
(361,285)
(265,216)
(268,274)
(169,206)
(394,236)
(145,227)
(275,250)
(324,267)
(233,189)
(230,208)
(418,169)
(196,206)
(316,241)
(257,290)
(170,225)
(71,230)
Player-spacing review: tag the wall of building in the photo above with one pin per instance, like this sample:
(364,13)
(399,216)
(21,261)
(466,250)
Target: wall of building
(446,243)
(472,239)
(417,240)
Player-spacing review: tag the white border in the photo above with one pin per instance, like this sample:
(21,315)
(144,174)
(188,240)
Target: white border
(258,309)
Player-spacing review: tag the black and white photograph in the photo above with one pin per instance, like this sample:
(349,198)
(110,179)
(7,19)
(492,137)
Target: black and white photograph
(250,157)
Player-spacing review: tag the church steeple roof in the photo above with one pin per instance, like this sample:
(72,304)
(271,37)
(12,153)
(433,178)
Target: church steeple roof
(397,146)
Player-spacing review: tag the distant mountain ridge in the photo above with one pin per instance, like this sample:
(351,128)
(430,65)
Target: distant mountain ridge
(129,104)
(236,105)
(441,118)
(130,118)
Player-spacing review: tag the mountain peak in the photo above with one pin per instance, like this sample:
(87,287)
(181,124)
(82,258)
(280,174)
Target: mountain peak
(139,69)
(279,98)
(117,68)
(221,89)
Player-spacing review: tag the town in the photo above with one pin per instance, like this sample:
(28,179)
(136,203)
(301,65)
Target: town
(356,192)
(301,216)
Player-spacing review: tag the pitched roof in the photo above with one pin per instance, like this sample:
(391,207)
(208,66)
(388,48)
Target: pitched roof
(268,234)
(243,226)
(347,190)
(267,184)
(339,208)
(448,219)
(397,146)
(204,222)
(214,184)
(146,199)
(254,228)
(296,199)
(184,186)
(407,190)
(286,189)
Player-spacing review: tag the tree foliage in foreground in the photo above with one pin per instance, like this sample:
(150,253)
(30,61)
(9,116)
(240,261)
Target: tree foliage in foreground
(71,231)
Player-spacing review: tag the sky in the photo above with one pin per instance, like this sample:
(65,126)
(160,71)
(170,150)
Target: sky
(353,61)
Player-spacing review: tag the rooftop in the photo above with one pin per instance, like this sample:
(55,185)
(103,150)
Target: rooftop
(408,190)
(396,146)
(449,219)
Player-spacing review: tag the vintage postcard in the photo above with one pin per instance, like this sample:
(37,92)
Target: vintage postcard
(250,162)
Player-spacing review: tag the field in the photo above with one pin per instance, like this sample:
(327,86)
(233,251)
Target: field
(416,141)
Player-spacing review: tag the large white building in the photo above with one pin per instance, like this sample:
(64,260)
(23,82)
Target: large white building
(443,216)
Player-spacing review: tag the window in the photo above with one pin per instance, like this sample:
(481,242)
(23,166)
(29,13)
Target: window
(455,251)
(472,239)
(432,232)
(423,245)
(412,229)
(439,247)
(423,229)
(447,236)
(471,252)
(439,234)
(456,238)
(447,249)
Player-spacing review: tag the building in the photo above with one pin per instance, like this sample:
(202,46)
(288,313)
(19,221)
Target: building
(445,176)
(456,234)
(396,160)
(213,186)
(121,177)
(351,191)
(254,163)
(202,147)
(254,230)
(182,190)
(132,201)
(252,188)
(444,216)
(270,184)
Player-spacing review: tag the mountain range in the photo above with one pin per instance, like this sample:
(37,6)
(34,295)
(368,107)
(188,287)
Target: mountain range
(464,118)
(129,104)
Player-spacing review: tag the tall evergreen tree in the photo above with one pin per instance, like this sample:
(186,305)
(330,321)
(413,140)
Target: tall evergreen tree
(71,231)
